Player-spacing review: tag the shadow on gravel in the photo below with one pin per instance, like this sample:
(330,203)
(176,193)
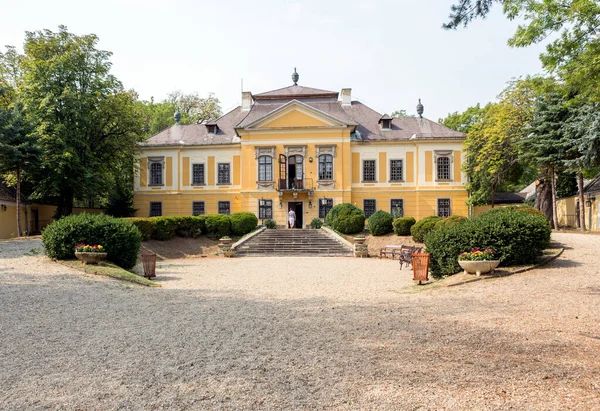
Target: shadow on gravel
(68,347)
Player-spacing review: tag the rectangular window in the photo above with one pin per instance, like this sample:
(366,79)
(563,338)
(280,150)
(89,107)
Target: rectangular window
(156,173)
(265,209)
(326,167)
(197,174)
(198,208)
(396,170)
(443,207)
(265,168)
(223,174)
(325,204)
(397,207)
(443,168)
(224,207)
(369,170)
(155,208)
(369,207)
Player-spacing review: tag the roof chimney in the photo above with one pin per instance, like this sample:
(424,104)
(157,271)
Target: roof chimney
(346,96)
(246,100)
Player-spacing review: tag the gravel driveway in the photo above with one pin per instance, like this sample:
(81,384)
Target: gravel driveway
(298,333)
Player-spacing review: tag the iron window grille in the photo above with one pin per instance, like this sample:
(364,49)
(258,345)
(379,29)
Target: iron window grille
(369,170)
(224,207)
(443,168)
(443,207)
(156,174)
(224,173)
(265,168)
(397,207)
(326,167)
(265,209)
(197,174)
(396,170)
(325,204)
(155,209)
(369,207)
(198,208)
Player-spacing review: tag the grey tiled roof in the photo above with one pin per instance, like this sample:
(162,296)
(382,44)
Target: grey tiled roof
(7,193)
(593,186)
(365,119)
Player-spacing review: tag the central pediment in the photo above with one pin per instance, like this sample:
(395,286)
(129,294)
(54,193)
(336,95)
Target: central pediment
(294,114)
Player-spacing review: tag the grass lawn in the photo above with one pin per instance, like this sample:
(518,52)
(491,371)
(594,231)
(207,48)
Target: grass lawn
(110,270)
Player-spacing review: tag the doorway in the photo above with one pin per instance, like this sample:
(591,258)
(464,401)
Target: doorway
(297,207)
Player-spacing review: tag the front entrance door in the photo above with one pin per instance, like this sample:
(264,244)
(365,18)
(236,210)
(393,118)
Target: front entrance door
(297,207)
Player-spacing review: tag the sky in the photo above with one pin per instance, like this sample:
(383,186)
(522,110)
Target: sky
(391,53)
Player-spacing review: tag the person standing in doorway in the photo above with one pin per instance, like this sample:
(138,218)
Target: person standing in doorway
(291,218)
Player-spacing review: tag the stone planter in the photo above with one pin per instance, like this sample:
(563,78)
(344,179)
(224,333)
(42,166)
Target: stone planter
(359,240)
(225,240)
(90,258)
(479,267)
(361,251)
(228,254)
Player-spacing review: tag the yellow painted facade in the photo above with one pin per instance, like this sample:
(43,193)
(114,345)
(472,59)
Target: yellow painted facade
(568,216)
(296,131)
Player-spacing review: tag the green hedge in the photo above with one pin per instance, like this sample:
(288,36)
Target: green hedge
(402,225)
(145,225)
(448,221)
(346,219)
(516,236)
(217,225)
(423,227)
(380,223)
(191,226)
(242,223)
(119,237)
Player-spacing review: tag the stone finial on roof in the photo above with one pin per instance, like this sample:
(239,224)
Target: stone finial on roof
(420,109)
(295,77)
(177,117)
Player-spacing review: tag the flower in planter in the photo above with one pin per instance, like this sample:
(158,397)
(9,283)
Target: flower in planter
(477,254)
(86,248)
(228,250)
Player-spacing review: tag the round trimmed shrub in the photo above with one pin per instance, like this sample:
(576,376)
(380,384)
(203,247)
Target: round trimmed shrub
(448,221)
(402,225)
(242,223)
(516,238)
(316,223)
(217,225)
(346,219)
(380,223)
(119,237)
(423,227)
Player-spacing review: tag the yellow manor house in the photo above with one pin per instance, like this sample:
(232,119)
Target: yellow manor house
(305,149)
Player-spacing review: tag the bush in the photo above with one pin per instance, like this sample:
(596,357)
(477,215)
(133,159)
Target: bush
(217,225)
(145,225)
(516,237)
(346,219)
(119,237)
(448,221)
(423,227)
(242,223)
(165,228)
(190,226)
(316,223)
(380,223)
(271,224)
(402,225)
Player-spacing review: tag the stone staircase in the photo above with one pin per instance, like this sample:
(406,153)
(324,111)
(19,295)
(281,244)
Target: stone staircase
(297,242)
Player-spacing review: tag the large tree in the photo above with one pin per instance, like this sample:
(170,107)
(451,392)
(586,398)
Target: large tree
(86,122)
(574,26)
(17,149)
(464,121)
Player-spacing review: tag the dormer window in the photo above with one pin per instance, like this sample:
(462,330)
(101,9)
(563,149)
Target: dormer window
(385,122)
(212,128)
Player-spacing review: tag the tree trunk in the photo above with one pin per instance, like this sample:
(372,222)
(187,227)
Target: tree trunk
(581,200)
(18,199)
(554,205)
(493,193)
(65,206)
(543,196)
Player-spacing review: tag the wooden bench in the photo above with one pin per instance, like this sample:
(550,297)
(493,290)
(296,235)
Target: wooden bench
(392,250)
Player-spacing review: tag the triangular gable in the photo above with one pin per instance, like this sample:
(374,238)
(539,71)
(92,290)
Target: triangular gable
(295,114)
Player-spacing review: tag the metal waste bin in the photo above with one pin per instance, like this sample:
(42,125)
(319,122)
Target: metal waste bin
(420,263)
(149,261)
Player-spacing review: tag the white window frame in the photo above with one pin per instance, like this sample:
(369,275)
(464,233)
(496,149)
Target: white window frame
(390,170)
(440,154)
(203,174)
(152,161)
(229,174)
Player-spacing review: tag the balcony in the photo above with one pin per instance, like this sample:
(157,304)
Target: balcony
(296,185)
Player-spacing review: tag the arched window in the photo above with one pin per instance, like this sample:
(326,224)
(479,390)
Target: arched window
(265,168)
(443,168)
(326,167)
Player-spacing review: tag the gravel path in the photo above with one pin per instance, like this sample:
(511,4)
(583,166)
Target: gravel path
(298,333)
